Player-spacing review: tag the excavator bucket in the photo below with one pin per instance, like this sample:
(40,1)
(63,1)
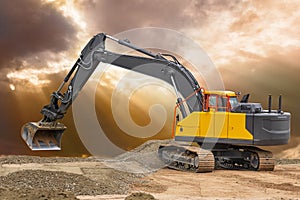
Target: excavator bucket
(43,136)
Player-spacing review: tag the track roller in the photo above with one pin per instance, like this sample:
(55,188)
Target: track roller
(187,158)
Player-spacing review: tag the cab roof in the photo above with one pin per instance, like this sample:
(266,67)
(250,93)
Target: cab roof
(221,93)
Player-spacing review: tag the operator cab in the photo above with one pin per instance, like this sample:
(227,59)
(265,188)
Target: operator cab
(220,101)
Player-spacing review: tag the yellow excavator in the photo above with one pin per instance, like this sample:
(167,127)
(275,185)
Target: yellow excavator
(226,130)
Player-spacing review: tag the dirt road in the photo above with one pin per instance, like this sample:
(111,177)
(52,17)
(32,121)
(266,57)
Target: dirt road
(67,178)
(137,174)
(283,183)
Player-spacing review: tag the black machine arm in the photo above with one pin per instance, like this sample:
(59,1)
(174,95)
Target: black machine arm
(155,65)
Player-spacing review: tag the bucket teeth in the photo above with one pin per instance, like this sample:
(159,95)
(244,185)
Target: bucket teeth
(43,136)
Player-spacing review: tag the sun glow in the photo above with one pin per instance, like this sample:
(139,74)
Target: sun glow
(69,10)
(28,76)
(12,87)
(38,76)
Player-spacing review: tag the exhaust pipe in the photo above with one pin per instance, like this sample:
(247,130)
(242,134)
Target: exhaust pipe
(279,104)
(43,136)
(270,104)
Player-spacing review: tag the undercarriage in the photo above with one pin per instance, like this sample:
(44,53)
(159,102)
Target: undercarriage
(196,159)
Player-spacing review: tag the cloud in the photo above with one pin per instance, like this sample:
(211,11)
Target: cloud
(30,27)
(116,16)
(245,29)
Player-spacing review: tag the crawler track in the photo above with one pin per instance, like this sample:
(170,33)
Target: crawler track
(266,160)
(195,159)
(187,158)
(244,158)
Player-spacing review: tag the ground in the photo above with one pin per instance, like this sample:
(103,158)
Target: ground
(130,177)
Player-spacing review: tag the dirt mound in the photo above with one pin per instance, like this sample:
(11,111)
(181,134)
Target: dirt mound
(291,153)
(60,183)
(34,194)
(95,180)
(143,159)
(18,159)
(140,196)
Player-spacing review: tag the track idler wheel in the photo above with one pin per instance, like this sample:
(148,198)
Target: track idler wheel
(254,161)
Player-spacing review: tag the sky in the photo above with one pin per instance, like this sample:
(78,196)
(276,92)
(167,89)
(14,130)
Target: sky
(255,45)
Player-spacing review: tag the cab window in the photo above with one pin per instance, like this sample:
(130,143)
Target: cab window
(218,103)
(212,101)
(222,103)
(233,102)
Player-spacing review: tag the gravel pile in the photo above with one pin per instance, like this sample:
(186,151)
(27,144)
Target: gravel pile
(117,178)
(140,196)
(30,194)
(56,181)
(17,159)
(143,159)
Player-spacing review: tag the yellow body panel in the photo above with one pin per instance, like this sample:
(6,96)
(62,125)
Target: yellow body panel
(206,128)
(221,124)
(214,125)
(191,125)
(236,127)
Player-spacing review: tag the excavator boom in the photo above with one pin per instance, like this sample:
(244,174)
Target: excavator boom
(46,134)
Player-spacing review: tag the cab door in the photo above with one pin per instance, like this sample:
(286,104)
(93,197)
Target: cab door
(218,106)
